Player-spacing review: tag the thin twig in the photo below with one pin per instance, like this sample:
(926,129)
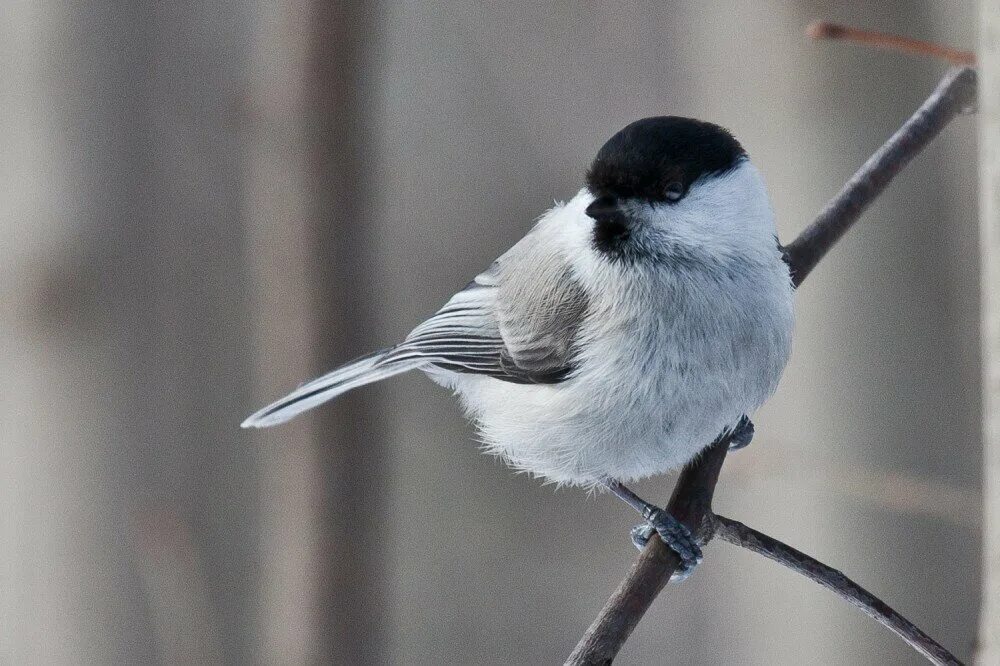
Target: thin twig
(691,502)
(883,40)
(738,534)
(955,94)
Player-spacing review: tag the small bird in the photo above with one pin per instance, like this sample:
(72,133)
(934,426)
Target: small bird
(632,327)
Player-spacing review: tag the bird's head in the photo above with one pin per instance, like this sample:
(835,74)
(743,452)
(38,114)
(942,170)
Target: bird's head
(676,187)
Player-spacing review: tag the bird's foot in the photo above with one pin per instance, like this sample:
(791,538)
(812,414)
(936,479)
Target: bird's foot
(742,434)
(675,535)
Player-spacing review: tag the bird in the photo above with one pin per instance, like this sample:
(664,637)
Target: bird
(632,327)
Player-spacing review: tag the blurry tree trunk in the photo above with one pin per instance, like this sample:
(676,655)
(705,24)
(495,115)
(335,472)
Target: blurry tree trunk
(310,209)
(351,443)
(279,249)
(989,150)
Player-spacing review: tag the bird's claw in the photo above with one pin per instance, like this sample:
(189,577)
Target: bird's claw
(675,535)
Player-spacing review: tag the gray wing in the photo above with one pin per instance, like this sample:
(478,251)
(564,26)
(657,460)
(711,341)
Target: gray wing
(516,321)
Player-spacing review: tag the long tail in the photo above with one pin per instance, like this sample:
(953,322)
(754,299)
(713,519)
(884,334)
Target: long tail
(359,372)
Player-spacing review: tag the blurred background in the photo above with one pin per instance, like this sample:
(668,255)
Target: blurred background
(205,204)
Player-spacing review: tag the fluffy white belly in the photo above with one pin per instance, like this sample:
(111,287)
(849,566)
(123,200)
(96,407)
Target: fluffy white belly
(651,389)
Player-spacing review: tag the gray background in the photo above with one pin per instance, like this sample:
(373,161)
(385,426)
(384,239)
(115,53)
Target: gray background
(207,203)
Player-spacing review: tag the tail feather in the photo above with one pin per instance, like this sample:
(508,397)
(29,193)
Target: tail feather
(359,372)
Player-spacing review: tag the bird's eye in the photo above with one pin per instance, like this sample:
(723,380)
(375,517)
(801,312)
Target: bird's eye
(674,191)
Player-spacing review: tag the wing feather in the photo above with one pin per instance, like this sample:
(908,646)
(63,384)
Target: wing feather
(517,321)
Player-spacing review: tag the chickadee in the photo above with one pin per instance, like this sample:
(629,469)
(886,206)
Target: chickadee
(631,328)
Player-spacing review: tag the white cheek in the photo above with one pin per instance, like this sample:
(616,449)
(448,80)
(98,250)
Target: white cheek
(727,214)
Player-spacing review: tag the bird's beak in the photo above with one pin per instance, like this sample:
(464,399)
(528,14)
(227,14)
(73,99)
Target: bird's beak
(612,227)
(604,208)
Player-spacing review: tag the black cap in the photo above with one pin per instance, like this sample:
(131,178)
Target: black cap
(665,154)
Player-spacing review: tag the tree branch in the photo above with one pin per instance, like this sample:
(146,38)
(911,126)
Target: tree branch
(738,534)
(691,502)
(954,95)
